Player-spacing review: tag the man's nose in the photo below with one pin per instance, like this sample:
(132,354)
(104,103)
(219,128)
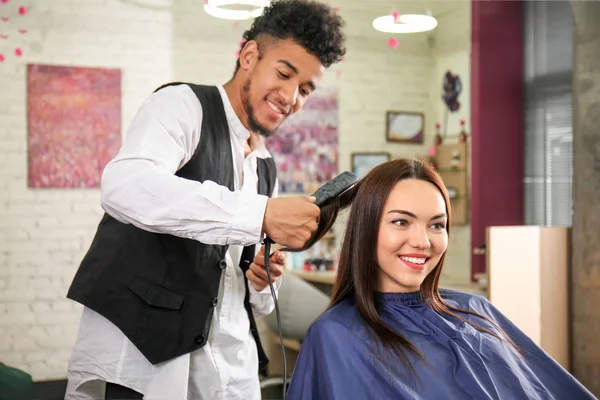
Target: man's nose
(290,94)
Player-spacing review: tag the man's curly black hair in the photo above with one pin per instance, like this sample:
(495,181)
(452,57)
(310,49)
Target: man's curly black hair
(313,25)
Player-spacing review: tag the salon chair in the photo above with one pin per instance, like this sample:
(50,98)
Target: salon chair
(300,304)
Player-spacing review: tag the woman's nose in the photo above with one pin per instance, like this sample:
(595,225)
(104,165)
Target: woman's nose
(419,238)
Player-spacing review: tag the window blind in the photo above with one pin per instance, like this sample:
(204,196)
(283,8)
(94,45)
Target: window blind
(548,113)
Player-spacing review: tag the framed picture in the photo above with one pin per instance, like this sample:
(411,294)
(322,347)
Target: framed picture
(73,124)
(404,127)
(362,163)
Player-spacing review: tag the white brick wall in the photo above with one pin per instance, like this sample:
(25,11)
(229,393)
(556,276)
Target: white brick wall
(44,233)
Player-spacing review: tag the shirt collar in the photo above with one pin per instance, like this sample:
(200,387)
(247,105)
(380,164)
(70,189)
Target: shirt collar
(234,122)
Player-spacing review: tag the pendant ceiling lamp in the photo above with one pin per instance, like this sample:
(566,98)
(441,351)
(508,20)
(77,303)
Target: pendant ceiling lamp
(235,9)
(405,23)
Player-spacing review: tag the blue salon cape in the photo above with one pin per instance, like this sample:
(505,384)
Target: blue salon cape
(338,357)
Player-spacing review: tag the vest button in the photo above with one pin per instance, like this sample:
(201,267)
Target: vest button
(222,264)
(199,339)
(215,301)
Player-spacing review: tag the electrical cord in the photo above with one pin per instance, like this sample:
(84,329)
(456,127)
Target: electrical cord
(267,256)
(329,191)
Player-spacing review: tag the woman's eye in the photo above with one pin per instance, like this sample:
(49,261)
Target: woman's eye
(439,226)
(401,222)
(282,75)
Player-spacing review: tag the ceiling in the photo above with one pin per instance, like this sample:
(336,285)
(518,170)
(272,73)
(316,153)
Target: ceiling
(375,8)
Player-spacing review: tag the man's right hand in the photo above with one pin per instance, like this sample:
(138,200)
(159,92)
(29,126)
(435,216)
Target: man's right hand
(291,221)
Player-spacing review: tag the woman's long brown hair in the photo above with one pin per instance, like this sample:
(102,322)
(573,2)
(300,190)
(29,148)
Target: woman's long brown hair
(358,268)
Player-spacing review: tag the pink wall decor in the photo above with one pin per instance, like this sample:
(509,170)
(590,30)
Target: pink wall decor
(74,124)
(305,147)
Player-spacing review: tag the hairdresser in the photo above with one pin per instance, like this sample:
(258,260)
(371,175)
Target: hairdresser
(169,287)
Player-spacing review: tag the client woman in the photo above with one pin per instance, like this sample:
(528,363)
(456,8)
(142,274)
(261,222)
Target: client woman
(390,333)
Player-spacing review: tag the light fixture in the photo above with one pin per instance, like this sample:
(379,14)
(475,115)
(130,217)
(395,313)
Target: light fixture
(217,10)
(405,23)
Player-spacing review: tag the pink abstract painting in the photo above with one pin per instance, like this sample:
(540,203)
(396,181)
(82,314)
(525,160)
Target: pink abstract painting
(74,124)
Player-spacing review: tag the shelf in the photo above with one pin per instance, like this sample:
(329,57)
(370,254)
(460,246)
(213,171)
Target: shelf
(327,277)
(452,166)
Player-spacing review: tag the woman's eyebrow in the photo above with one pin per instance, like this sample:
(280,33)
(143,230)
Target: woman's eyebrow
(442,215)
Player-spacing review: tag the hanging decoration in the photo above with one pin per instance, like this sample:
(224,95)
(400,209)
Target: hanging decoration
(452,86)
(5,35)
(240,46)
(405,23)
(218,8)
(393,43)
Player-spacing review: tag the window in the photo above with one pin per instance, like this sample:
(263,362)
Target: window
(548,113)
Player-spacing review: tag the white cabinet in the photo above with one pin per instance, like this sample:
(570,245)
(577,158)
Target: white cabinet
(529,274)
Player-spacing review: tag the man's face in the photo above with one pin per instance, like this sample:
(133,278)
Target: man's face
(278,84)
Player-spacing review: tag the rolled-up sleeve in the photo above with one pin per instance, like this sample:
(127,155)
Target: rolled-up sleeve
(139,185)
(262,302)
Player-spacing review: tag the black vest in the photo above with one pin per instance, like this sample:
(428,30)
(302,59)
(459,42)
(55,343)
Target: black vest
(161,290)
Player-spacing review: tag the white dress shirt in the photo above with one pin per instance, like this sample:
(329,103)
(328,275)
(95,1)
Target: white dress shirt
(139,187)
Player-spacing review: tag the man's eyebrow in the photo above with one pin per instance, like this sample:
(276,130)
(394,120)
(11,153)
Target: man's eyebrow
(289,65)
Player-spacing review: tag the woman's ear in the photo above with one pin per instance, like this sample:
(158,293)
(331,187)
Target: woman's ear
(249,55)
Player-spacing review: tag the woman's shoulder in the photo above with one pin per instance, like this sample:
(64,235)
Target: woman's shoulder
(342,317)
(465,300)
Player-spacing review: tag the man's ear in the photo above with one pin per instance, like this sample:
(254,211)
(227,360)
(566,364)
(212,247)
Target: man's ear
(249,55)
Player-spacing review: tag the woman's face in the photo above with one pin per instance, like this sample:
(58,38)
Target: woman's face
(412,235)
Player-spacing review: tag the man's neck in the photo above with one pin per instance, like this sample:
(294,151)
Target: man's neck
(234,93)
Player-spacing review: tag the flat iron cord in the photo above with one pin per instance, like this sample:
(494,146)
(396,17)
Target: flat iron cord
(274,295)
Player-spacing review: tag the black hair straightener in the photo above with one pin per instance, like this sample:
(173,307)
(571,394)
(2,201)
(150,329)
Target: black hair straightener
(324,195)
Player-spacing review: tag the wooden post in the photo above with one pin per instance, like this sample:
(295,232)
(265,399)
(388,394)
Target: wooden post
(585,283)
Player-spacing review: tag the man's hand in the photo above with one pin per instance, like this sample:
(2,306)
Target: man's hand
(257,273)
(291,221)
